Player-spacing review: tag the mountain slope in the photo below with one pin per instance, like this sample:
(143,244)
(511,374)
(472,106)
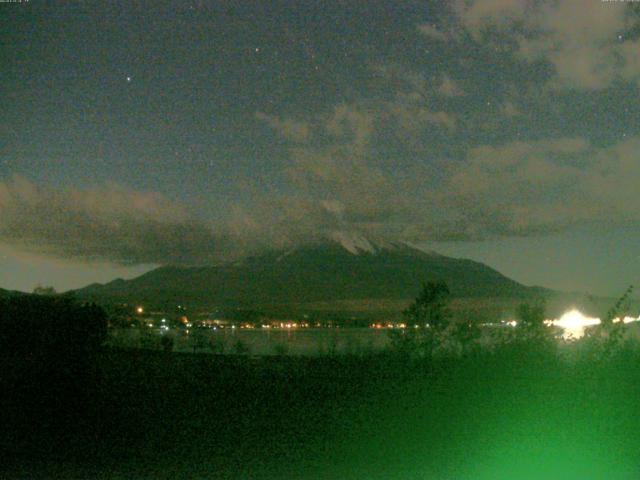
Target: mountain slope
(328,272)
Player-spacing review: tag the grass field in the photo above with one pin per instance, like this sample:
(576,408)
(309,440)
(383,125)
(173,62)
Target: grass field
(506,415)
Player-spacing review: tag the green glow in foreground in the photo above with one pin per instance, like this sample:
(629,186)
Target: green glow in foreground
(545,458)
(487,419)
(535,452)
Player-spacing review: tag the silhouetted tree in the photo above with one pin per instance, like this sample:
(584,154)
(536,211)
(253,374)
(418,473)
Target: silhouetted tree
(531,334)
(530,318)
(426,320)
(615,331)
(40,290)
(619,308)
(199,339)
(430,308)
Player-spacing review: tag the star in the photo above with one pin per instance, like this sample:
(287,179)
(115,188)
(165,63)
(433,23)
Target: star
(129,79)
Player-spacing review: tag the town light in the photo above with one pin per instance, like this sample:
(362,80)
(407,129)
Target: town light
(574,322)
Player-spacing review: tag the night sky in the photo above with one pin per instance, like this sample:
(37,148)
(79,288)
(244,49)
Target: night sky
(135,134)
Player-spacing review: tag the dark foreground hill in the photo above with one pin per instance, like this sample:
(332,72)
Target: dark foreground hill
(330,275)
(9,293)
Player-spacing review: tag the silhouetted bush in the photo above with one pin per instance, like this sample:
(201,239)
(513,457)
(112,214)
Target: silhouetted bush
(281,349)
(217,345)
(241,348)
(166,342)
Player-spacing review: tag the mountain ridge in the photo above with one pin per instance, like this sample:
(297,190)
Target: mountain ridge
(321,272)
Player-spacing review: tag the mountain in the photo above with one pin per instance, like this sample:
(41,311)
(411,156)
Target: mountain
(335,274)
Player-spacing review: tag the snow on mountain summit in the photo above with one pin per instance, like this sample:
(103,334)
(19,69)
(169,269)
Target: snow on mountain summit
(357,244)
(353,243)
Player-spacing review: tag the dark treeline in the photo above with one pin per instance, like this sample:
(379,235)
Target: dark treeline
(48,327)
(48,353)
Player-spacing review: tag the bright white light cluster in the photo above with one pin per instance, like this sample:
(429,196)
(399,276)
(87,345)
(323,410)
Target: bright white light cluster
(575,322)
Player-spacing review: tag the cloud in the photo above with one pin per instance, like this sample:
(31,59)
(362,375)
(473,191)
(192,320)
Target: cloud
(479,15)
(108,223)
(340,177)
(412,117)
(361,166)
(432,32)
(337,181)
(580,40)
(355,123)
(449,88)
(331,183)
(295,131)
(526,188)
(629,52)
(584,42)
(509,109)
(513,189)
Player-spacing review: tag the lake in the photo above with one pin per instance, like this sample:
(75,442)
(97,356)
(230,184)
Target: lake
(279,341)
(301,341)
